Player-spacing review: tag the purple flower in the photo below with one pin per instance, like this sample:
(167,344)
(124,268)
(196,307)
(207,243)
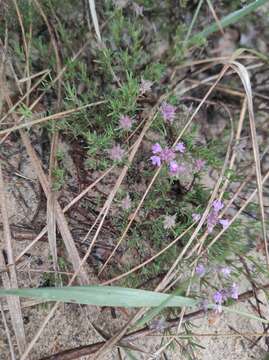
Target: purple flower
(156,148)
(176,169)
(168,112)
(116,153)
(199,164)
(217,205)
(145,86)
(225,271)
(169,221)
(196,217)
(234,291)
(156,160)
(173,167)
(126,202)
(200,270)
(212,220)
(125,122)
(180,147)
(167,155)
(225,223)
(218,297)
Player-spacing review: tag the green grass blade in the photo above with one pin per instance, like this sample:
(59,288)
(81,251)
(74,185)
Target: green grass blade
(114,296)
(230,19)
(102,296)
(192,23)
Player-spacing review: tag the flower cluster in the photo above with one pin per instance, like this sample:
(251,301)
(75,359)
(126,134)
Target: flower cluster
(167,156)
(125,122)
(168,112)
(213,216)
(116,153)
(223,271)
(220,296)
(229,291)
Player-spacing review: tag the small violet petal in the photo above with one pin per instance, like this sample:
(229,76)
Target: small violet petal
(156,160)
(200,270)
(156,148)
(196,217)
(180,147)
(225,223)
(218,297)
(217,205)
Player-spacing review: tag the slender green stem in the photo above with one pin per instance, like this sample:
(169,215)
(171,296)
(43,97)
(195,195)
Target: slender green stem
(192,23)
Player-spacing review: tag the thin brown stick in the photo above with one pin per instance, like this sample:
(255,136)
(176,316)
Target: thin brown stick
(61,221)
(24,97)
(11,280)
(243,74)
(57,116)
(66,208)
(52,195)
(11,347)
(119,277)
(51,201)
(215,16)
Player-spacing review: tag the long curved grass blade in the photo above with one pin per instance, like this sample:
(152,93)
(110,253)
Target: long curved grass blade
(115,296)
(95,19)
(102,296)
(243,74)
(230,19)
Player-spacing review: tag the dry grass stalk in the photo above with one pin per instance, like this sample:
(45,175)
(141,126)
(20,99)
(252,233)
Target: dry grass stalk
(10,280)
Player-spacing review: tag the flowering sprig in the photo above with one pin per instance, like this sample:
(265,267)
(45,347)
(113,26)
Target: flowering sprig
(213,216)
(220,296)
(169,221)
(229,291)
(116,153)
(125,122)
(167,156)
(168,112)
